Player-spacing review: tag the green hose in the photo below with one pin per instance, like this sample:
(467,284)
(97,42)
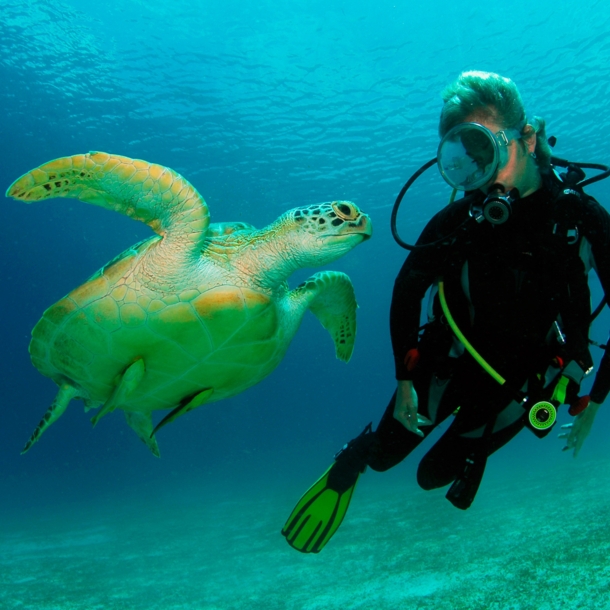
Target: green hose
(458,333)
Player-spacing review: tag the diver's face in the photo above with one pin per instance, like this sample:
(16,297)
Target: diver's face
(520,170)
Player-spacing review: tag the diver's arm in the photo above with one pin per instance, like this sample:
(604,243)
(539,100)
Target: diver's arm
(577,432)
(598,233)
(601,385)
(419,271)
(405,312)
(405,407)
(415,277)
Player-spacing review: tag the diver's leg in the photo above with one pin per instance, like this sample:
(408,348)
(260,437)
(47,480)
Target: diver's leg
(320,511)
(380,449)
(460,455)
(393,442)
(445,460)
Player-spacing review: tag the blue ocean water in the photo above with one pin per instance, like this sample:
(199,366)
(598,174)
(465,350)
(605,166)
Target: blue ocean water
(264,106)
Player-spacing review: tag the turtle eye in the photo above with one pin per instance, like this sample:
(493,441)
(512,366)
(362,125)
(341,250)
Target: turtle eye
(345,210)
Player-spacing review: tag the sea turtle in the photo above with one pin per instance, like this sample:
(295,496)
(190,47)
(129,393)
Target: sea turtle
(192,315)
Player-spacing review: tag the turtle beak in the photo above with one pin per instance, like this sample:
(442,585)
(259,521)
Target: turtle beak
(367,226)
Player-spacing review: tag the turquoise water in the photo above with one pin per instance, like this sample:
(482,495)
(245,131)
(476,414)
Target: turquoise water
(264,106)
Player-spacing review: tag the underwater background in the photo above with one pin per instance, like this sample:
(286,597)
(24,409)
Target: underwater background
(266,105)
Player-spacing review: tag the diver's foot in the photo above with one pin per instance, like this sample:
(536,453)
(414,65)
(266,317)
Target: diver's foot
(320,511)
(351,461)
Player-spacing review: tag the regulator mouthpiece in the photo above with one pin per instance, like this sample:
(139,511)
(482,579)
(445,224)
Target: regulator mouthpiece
(497,207)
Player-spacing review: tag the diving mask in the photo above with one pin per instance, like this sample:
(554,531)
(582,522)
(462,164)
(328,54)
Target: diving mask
(469,155)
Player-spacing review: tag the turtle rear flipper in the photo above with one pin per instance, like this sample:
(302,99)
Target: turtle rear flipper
(141,423)
(188,404)
(128,382)
(65,394)
(147,192)
(330,296)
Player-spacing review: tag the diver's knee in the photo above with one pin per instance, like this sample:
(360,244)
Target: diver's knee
(381,465)
(425,479)
(431,474)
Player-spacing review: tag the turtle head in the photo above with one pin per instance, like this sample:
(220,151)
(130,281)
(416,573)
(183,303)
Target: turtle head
(327,231)
(303,237)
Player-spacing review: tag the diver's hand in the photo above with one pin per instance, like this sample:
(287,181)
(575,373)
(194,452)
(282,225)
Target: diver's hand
(577,432)
(405,408)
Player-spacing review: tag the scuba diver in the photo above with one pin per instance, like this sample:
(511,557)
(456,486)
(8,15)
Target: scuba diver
(507,337)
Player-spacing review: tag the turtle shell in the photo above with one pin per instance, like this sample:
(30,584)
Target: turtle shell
(226,337)
(195,314)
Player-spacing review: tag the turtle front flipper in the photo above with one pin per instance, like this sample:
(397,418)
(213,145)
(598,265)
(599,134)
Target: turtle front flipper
(330,296)
(66,393)
(147,192)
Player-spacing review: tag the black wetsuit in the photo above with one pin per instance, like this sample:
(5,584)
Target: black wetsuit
(506,285)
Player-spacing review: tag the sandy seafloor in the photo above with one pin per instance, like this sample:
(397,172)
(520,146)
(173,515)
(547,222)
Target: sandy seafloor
(537,540)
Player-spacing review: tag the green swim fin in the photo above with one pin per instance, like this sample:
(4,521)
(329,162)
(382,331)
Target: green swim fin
(320,511)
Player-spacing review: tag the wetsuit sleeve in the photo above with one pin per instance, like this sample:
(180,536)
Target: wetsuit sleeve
(601,385)
(417,274)
(598,234)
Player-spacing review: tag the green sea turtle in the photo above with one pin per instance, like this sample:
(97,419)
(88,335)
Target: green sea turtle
(192,315)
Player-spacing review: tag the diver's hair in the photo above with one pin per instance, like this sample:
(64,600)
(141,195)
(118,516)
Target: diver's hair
(483,94)
(543,149)
(487,95)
